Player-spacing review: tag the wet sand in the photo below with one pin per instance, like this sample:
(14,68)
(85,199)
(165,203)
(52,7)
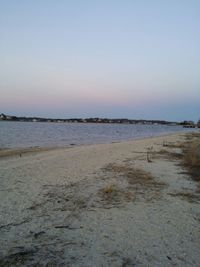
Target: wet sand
(99,205)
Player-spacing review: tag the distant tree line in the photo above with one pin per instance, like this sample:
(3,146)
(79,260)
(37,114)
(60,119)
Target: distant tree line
(97,120)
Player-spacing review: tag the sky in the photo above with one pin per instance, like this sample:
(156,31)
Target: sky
(136,59)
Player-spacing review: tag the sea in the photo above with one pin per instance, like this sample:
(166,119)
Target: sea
(46,134)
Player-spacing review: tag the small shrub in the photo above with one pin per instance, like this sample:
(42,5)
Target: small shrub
(109,189)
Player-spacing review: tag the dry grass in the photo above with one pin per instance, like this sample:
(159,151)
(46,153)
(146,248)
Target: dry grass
(186,195)
(114,196)
(168,154)
(133,175)
(191,158)
(191,136)
(189,154)
(140,184)
(173,145)
(110,189)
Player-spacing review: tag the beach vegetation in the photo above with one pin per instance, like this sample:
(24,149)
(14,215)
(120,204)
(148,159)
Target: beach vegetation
(190,196)
(139,183)
(109,189)
(191,157)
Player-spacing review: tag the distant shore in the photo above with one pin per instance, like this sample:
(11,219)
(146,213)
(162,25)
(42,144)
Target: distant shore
(4,117)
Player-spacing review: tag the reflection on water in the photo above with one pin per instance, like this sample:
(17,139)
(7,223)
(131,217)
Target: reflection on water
(29,134)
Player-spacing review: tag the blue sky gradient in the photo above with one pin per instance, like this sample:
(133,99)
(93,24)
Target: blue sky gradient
(134,59)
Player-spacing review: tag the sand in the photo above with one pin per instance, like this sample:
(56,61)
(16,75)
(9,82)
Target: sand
(118,204)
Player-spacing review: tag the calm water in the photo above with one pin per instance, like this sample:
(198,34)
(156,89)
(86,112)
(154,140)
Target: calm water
(30,134)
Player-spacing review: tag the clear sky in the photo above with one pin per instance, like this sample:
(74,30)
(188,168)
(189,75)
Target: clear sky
(100,58)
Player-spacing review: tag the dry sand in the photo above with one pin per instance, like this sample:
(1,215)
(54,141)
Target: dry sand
(98,205)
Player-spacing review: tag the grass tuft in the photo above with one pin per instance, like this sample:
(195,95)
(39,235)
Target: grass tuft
(110,189)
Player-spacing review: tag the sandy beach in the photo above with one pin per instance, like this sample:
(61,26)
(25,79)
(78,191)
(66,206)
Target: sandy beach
(119,204)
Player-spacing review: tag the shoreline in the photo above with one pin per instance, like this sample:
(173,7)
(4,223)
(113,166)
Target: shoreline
(19,151)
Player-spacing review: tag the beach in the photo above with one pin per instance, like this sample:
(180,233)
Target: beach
(117,204)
